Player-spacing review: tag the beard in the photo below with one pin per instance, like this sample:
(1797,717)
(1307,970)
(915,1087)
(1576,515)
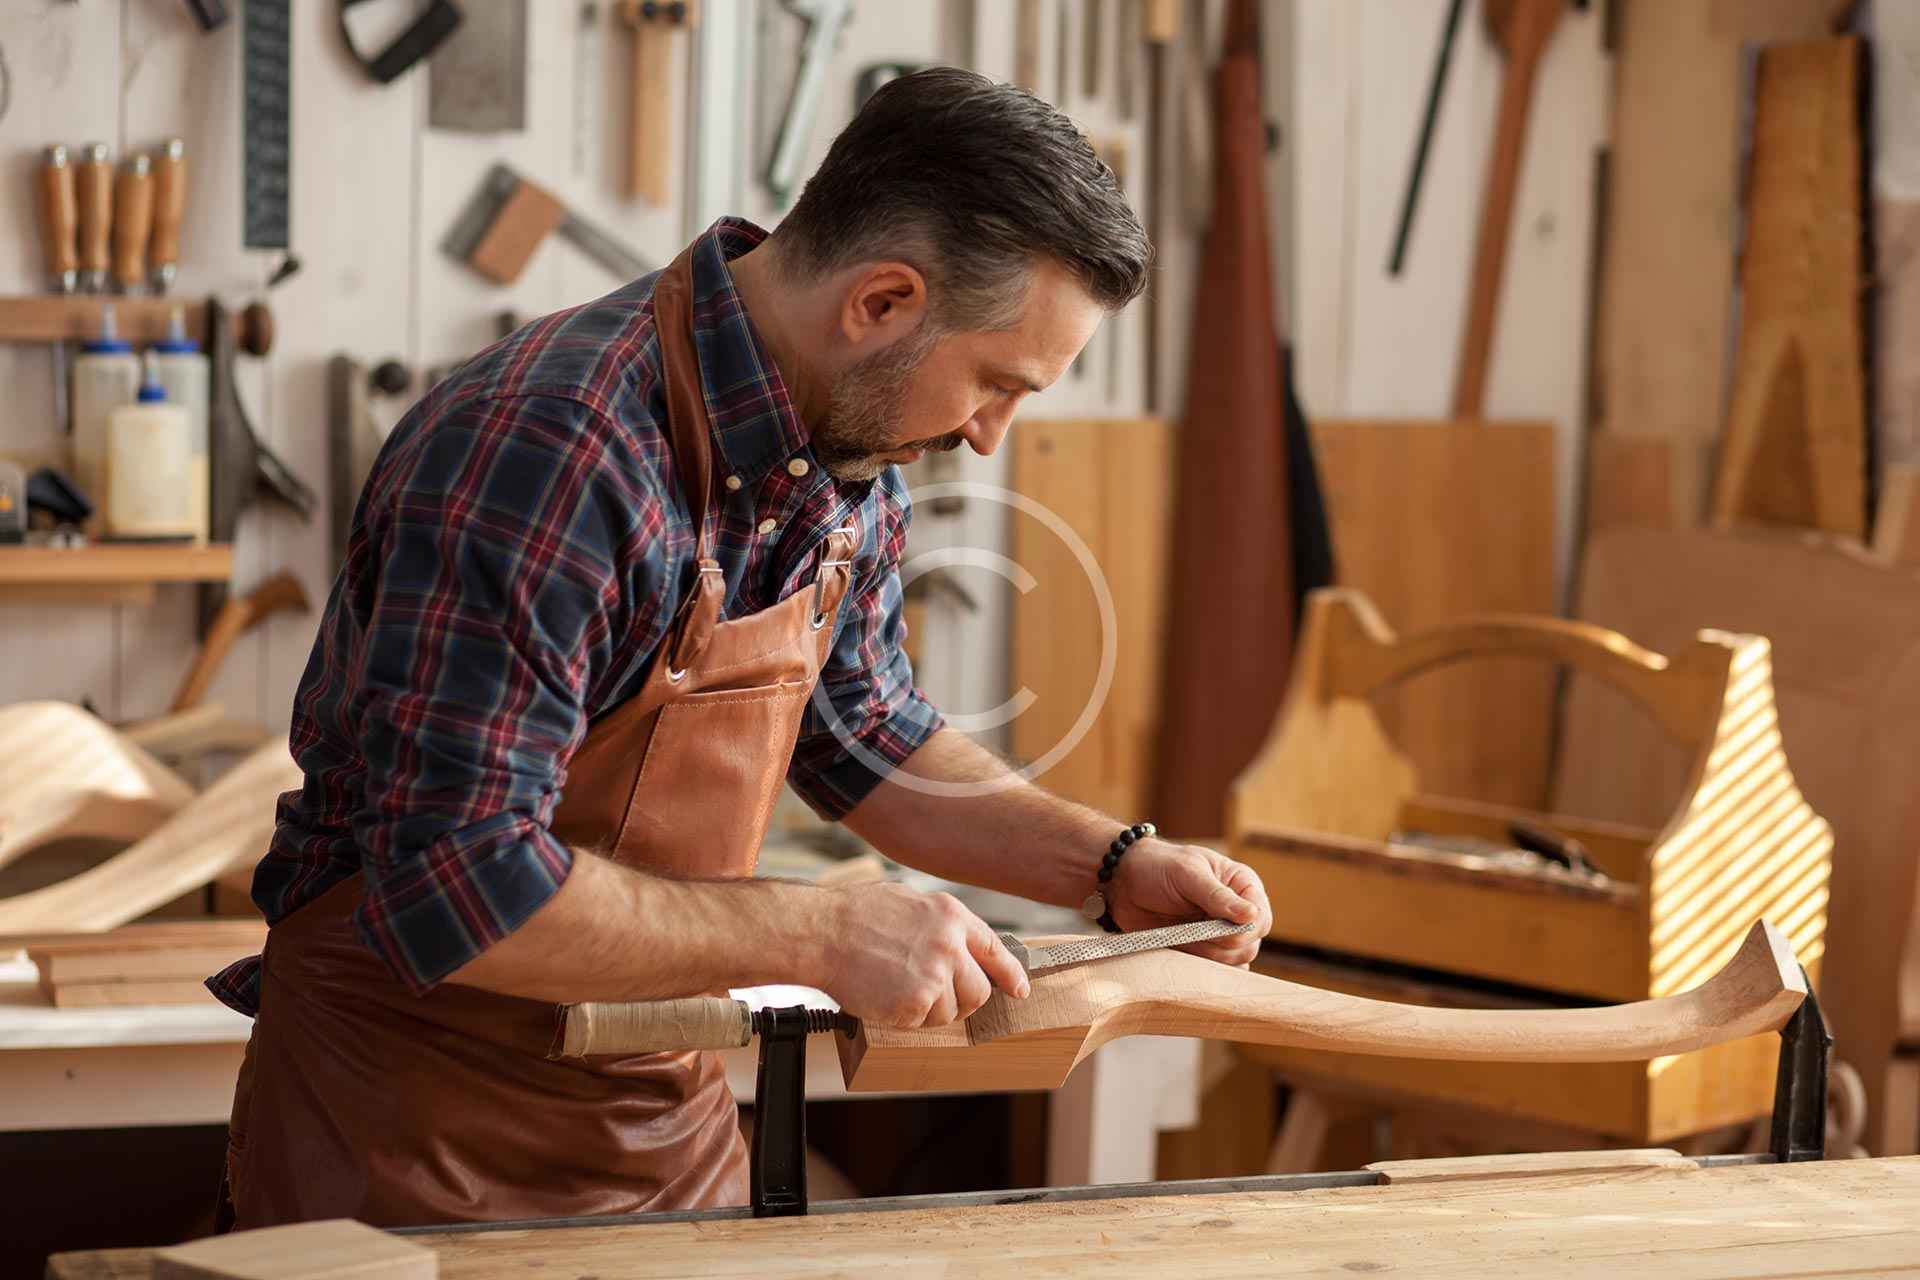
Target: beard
(866,413)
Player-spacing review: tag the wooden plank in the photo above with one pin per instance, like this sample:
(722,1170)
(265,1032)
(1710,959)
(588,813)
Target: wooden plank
(109,564)
(1108,483)
(1529,1165)
(1436,522)
(1896,317)
(1845,634)
(1782,1221)
(114,995)
(1795,450)
(1672,209)
(339,1249)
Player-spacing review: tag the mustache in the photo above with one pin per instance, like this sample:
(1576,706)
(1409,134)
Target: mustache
(943,444)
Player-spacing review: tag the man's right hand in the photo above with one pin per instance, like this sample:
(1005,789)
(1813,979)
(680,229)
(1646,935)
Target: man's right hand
(901,958)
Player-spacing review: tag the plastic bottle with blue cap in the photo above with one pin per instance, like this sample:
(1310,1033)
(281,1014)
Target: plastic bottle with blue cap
(106,375)
(150,467)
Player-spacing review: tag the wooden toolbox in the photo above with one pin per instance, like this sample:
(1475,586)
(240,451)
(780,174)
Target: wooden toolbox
(1328,814)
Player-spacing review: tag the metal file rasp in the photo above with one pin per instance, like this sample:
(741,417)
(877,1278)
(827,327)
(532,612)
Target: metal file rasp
(1064,955)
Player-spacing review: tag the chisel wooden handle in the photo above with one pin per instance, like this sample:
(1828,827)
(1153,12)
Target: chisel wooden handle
(60,219)
(169,210)
(132,222)
(93,187)
(656,1026)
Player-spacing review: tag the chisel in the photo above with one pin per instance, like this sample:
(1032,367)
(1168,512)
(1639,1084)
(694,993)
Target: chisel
(93,185)
(713,1022)
(60,224)
(169,211)
(132,222)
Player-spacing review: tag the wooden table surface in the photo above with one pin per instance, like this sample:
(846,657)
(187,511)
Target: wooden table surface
(1858,1217)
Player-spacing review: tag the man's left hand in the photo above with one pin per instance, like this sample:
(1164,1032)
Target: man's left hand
(1160,883)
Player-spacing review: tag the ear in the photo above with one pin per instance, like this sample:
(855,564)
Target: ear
(886,300)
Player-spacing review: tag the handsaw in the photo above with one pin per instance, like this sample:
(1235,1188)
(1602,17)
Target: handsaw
(714,1022)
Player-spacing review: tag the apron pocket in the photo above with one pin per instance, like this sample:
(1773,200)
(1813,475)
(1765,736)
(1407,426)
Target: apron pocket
(709,780)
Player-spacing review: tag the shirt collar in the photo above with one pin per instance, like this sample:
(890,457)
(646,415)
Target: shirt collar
(754,422)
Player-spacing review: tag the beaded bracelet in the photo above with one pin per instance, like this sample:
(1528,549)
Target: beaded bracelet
(1096,908)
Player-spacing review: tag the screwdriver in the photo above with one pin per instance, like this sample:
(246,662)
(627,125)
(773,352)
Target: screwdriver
(59,223)
(132,222)
(94,184)
(169,208)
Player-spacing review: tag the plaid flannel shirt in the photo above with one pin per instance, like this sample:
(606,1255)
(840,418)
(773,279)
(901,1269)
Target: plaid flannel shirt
(516,557)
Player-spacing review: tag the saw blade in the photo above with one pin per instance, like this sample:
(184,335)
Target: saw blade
(1082,950)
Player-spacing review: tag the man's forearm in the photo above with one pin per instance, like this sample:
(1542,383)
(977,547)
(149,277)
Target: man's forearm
(611,933)
(1021,840)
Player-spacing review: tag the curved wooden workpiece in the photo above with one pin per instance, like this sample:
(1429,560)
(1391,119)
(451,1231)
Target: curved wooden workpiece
(239,615)
(65,773)
(231,822)
(1035,1043)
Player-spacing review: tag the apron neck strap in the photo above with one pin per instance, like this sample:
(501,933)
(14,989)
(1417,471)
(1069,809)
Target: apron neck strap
(689,430)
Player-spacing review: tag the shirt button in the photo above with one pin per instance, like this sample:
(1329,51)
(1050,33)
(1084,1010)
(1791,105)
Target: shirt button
(733,482)
(766,526)
(798,467)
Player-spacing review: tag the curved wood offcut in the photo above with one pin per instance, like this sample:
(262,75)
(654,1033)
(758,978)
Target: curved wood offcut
(1035,1043)
(65,773)
(228,823)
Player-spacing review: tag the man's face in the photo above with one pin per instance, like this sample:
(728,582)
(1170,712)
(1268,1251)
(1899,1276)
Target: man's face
(921,394)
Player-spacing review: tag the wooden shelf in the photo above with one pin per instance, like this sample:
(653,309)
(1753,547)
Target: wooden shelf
(112,565)
(140,320)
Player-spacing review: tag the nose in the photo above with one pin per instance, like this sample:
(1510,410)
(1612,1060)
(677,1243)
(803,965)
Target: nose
(986,429)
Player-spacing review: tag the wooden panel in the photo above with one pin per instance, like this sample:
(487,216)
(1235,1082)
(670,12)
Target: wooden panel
(1795,451)
(1532,935)
(1672,208)
(1779,1221)
(1109,482)
(1631,482)
(1846,673)
(1435,522)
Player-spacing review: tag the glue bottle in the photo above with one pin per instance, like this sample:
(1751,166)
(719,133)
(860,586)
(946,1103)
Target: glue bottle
(149,467)
(184,376)
(106,375)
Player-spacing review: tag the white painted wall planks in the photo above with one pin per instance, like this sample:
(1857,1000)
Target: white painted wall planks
(1375,346)
(374,192)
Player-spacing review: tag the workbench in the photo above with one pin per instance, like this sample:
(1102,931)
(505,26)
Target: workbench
(175,1065)
(1680,1221)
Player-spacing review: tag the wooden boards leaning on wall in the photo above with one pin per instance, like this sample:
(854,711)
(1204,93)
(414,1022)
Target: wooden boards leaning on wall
(1434,521)
(1439,521)
(1108,483)
(1671,218)
(1795,449)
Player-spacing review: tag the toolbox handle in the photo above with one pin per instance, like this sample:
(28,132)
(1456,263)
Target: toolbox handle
(1682,692)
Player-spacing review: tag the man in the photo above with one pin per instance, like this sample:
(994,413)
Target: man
(609,585)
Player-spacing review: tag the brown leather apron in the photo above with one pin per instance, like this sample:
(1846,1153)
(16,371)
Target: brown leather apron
(359,1099)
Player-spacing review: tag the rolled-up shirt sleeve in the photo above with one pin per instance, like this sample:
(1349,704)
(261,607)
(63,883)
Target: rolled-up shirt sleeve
(506,591)
(866,716)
